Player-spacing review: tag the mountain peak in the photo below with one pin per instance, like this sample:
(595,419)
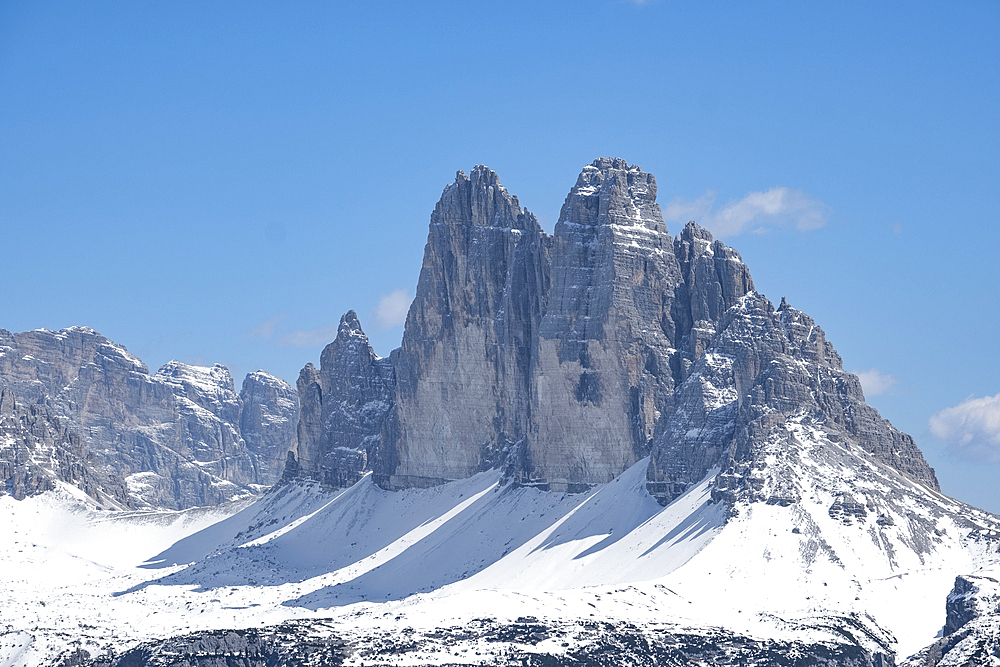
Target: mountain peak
(349,326)
(609,191)
(480,200)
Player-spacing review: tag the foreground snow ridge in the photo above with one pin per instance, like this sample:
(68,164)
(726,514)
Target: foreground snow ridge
(366,565)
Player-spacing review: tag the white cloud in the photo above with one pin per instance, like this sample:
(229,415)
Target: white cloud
(392,309)
(875,382)
(266,328)
(778,206)
(310,337)
(971,428)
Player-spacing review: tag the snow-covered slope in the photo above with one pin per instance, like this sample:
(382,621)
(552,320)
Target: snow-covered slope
(863,560)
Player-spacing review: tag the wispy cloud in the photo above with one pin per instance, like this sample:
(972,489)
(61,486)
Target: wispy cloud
(310,337)
(392,309)
(875,382)
(971,428)
(266,328)
(757,212)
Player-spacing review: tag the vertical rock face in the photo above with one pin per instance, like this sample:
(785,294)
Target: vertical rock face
(268,422)
(464,369)
(567,358)
(85,411)
(629,312)
(343,407)
(606,341)
(215,445)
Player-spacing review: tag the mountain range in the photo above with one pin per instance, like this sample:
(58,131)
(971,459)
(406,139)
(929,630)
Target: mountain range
(597,446)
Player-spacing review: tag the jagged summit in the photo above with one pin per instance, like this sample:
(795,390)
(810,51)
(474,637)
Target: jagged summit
(349,326)
(564,359)
(610,192)
(480,200)
(342,406)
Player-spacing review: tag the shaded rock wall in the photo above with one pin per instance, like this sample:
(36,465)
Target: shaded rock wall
(465,366)
(344,404)
(565,359)
(268,423)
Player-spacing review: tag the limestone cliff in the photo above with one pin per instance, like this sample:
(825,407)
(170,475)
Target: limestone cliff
(565,359)
(81,409)
(464,370)
(268,422)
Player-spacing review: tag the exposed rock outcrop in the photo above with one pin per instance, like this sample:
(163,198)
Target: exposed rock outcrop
(268,423)
(29,434)
(764,366)
(565,359)
(85,411)
(464,370)
(971,634)
(344,405)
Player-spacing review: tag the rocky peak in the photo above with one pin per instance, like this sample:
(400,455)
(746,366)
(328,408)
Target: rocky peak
(566,359)
(610,192)
(350,327)
(209,387)
(463,370)
(206,379)
(351,340)
(343,406)
(481,201)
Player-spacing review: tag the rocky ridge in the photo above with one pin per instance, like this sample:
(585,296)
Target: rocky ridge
(78,408)
(566,358)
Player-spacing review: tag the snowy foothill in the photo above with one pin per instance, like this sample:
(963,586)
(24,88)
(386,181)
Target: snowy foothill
(373,562)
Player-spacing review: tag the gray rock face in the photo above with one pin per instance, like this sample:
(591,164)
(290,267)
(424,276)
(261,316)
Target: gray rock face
(972,629)
(343,407)
(126,437)
(29,434)
(268,423)
(465,366)
(628,313)
(605,342)
(761,367)
(566,359)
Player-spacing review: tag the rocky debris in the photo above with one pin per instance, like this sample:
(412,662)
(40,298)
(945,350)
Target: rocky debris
(527,642)
(289,645)
(847,509)
(84,410)
(971,635)
(344,405)
(268,423)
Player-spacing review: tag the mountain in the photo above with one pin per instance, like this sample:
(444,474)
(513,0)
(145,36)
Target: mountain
(76,407)
(597,447)
(565,359)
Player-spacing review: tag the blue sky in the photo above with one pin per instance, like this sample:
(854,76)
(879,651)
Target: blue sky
(219,182)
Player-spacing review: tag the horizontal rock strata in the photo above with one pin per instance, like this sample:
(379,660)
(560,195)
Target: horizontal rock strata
(566,358)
